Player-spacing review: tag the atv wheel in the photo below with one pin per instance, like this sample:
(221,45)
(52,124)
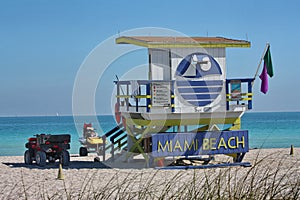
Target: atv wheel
(27,158)
(65,158)
(40,158)
(83,151)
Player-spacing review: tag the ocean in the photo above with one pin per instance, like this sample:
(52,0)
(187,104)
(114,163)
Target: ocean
(266,130)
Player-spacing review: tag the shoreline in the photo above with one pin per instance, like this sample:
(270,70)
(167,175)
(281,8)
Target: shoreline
(71,115)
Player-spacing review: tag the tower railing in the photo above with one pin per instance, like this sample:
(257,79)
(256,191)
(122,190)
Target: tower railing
(144,96)
(239,93)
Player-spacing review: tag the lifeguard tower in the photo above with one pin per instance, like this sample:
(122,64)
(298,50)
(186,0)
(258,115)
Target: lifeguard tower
(187,107)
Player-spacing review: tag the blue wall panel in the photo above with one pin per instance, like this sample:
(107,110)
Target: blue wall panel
(202,143)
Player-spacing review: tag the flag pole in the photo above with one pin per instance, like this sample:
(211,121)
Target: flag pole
(258,67)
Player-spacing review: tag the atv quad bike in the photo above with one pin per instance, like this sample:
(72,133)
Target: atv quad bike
(49,147)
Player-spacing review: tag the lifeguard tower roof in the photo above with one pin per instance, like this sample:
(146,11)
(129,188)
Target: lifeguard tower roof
(182,42)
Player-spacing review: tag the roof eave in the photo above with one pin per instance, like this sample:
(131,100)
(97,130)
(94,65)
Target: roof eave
(129,40)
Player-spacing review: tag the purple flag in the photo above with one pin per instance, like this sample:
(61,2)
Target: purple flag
(264,80)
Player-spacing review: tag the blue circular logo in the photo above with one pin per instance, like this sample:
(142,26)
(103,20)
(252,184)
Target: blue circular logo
(198,79)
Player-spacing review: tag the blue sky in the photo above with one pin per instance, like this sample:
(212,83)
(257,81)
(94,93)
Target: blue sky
(43,44)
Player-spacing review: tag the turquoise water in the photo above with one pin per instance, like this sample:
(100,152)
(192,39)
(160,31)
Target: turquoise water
(273,130)
(266,130)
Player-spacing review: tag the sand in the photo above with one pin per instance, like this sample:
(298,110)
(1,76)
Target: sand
(86,179)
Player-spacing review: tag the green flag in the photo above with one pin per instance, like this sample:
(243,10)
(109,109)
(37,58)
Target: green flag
(268,62)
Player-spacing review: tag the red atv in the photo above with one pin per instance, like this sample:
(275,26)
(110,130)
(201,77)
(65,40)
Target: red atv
(45,147)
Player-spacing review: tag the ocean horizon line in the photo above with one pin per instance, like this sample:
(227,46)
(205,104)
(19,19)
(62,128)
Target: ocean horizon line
(105,114)
(64,115)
